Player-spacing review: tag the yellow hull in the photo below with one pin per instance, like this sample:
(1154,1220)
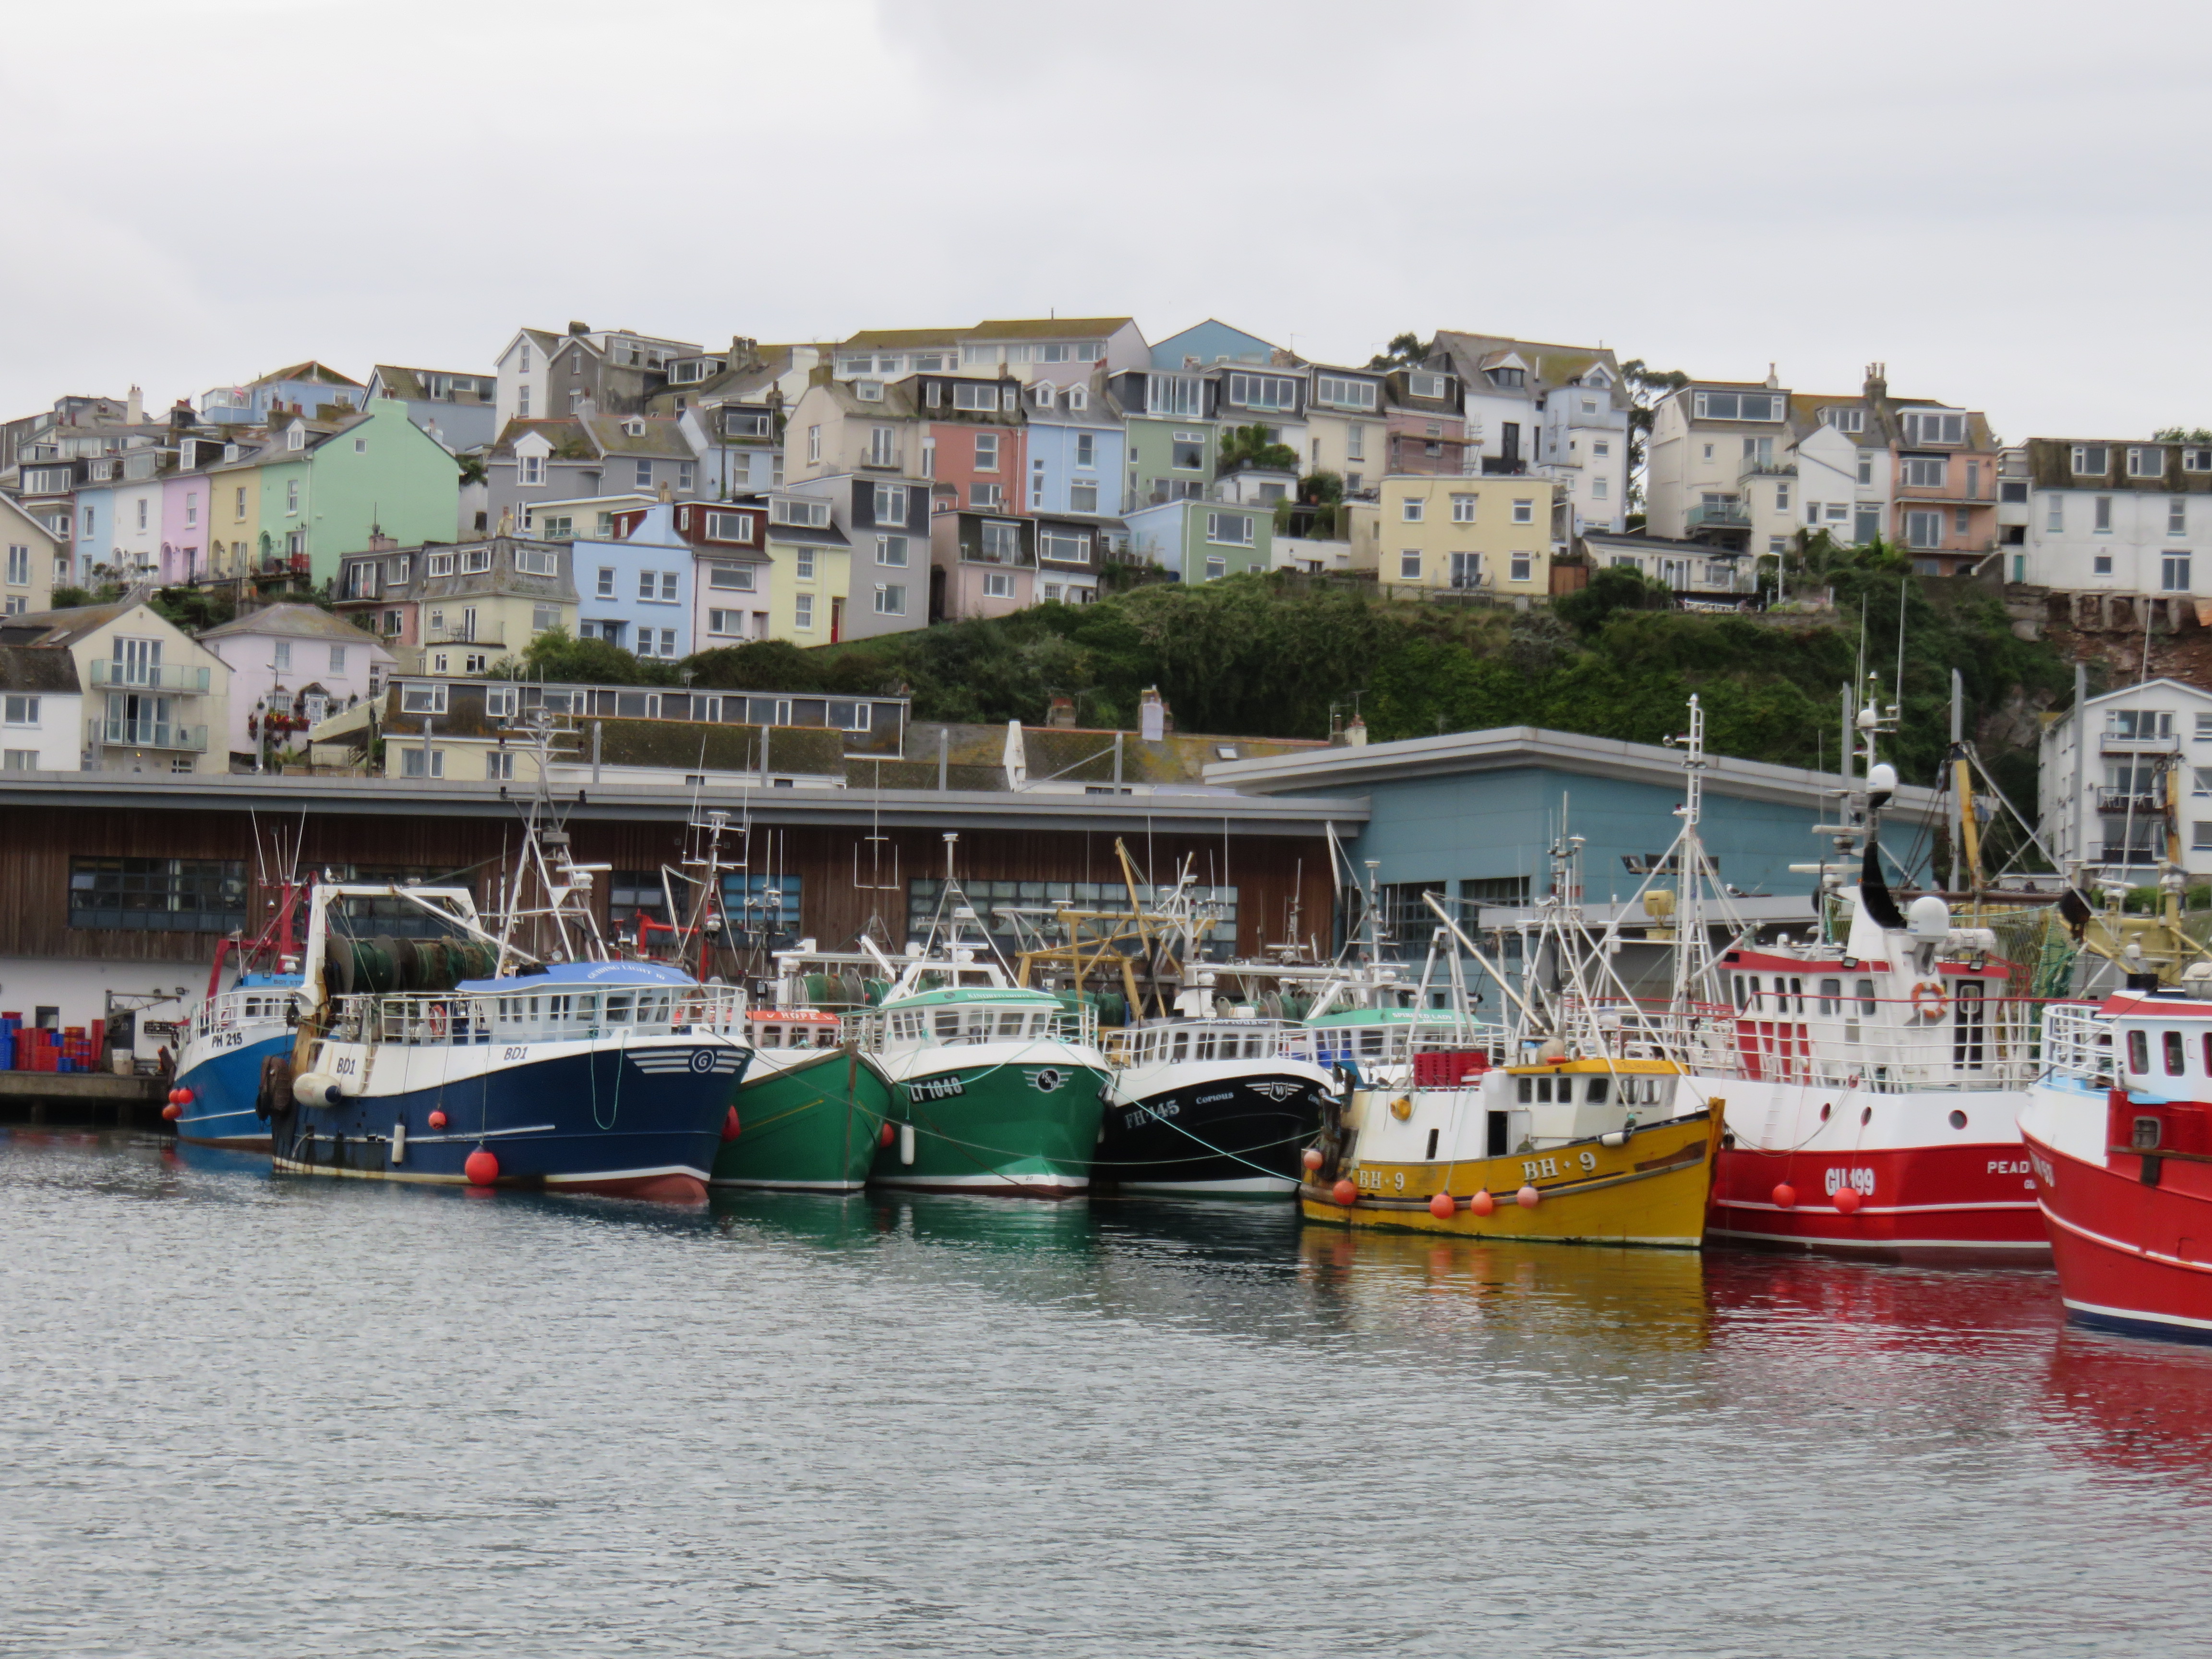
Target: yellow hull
(1651,1189)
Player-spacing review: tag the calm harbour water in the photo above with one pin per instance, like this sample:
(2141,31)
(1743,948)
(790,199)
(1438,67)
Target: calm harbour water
(247,1415)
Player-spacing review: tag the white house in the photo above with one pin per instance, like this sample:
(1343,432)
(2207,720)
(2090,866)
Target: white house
(41,710)
(2114,770)
(2101,515)
(294,662)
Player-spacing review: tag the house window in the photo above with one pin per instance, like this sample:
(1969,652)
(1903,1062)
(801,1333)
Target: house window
(544,618)
(2100,564)
(1086,449)
(439,564)
(986,451)
(499,766)
(892,550)
(19,566)
(1923,530)
(475,662)
(238,509)
(891,503)
(1263,392)
(984,496)
(2146,463)
(1782,498)
(475,561)
(606,589)
(813,443)
(1083,497)
(1934,428)
(1962,521)
(19,711)
(802,613)
(392,624)
(980,395)
(890,600)
(1467,570)
(1063,547)
(1524,512)
(2101,515)
(412,759)
(533,470)
(2174,572)
(883,445)
(2054,514)
(798,510)
(1524,566)
(729,527)
(1341,393)
(728,622)
(2092,459)
(1866,464)
(1355,442)
(1002,542)
(534,561)
(1925,472)
(998,585)
(2177,516)
(1598,488)
(1233,528)
(1738,406)
(802,564)
(1409,566)
(1411,509)
(291,496)
(1216,568)
(421,699)
(1425,385)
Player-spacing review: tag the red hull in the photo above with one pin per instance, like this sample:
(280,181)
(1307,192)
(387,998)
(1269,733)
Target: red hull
(654,1188)
(2130,1256)
(1945,1201)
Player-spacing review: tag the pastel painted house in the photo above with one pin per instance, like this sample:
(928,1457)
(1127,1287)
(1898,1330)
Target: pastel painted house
(1199,540)
(296,662)
(31,557)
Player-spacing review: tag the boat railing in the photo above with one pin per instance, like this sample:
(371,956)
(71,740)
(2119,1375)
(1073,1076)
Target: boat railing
(876,1030)
(453,1019)
(1200,1040)
(1394,1043)
(2077,1042)
(228,1010)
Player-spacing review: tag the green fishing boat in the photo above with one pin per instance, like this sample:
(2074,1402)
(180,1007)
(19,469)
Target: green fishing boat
(994,1089)
(811,1112)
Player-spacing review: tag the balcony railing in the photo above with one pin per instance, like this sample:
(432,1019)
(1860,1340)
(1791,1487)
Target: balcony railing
(152,734)
(2120,802)
(1504,466)
(2117,742)
(1755,468)
(463,636)
(150,676)
(1729,514)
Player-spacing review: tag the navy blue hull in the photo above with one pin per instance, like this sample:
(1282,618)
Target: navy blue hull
(224,1086)
(587,1124)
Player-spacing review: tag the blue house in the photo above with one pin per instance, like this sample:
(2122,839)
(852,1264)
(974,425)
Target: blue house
(302,389)
(635,591)
(1077,450)
(1208,343)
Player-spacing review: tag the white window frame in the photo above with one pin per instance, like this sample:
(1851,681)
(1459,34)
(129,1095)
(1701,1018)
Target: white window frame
(1215,522)
(1524,511)
(998,584)
(2147,461)
(890,600)
(1412,510)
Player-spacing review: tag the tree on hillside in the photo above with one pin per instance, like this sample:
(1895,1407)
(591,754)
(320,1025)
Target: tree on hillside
(1404,352)
(2179,434)
(1616,587)
(1646,387)
(554,656)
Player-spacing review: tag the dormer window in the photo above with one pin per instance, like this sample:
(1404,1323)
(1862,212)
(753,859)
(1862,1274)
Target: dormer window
(2092,461)
(295,437)
(1510,379)
(1434,387)
(1923,427)
(1078,397)
(634,427)
(1041,394)
(2148,462)
(868,391)
(2196,460)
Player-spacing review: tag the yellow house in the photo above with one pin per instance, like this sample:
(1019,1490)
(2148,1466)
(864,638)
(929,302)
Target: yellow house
(235,514)
(1455,533)
(32,554)
(808,582)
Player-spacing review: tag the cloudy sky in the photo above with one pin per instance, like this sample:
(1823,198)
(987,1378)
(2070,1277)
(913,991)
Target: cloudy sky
(2006,205)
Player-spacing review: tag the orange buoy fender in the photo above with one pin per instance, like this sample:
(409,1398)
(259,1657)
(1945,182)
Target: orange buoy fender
(890,1133)
(1481,1203)
(729,1125)
(1443,1207)
(172,1111)
(1848,1200)
(1312,1158)
(1346,1193)
(1785,1196)
(482,1169)
(437,1120)
(1528,1198)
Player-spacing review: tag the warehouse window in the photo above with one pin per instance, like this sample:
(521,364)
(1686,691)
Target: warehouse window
(177,896)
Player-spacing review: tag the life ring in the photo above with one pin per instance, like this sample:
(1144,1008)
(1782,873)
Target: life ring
(437,1021)
(1929,1000)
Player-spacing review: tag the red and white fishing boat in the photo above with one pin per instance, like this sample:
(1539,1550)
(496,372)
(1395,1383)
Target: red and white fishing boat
(2119,1135)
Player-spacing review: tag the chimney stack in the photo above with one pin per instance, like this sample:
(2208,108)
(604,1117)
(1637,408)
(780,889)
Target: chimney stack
(1063,712)
(134,408)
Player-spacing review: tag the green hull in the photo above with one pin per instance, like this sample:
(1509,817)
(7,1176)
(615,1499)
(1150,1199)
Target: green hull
(1012,1130)
(813,1127)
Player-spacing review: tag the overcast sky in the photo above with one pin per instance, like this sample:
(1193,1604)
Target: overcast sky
(2006,202)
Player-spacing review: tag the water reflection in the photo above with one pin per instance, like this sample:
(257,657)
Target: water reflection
(2133,1406)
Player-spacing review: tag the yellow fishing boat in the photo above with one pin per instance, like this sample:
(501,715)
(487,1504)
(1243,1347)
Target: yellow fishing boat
(1579,1151)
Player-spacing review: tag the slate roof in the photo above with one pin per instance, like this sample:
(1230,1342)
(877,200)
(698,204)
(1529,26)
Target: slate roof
(37,668)
(897,339)
(661,438)
(310,370)
(295,622)
(1548,365)
(72,623)
(1046,328)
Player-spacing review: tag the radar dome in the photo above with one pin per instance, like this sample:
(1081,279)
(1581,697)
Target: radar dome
(1928,917)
